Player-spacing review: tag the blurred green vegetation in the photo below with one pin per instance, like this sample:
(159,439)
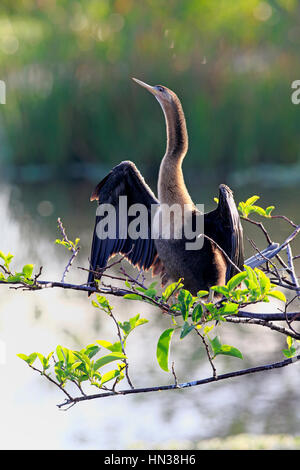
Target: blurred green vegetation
(67,67)
(236,442)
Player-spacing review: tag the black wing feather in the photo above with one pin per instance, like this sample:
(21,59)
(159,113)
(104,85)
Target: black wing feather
(227,230)
(123,180)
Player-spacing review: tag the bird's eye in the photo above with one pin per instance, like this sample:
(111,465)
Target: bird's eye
(160,88)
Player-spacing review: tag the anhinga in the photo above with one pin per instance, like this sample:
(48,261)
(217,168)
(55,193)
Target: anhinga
(199,269)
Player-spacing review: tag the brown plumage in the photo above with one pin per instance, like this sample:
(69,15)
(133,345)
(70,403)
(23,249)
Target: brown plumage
(168,256)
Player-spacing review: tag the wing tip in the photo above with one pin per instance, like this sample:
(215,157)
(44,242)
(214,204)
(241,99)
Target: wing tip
(225,191)
(94,196)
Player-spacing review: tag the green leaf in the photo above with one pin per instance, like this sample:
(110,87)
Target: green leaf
(224,349)
(229,308)
(269,210)
(252,200)
(230,351)
(185,299)
(17,277)
(141,289)
(107,359)
(76,365)
(137,321)
(83,358)
(24,357)
(170,289)
(251,275)
(289,341)
(112,374)
(202,293)
(197,313)
(6,258)
(252,286)
(258,210)
(207,329)
(91,350)
(29,359)
(115,347)
(150,292)
(215,344)
(42,359)
(133,297)
(211,307)
(278,295)
(163,349)
(220,290)
(264,281)
(186,329)
(152,285)
(103,301)
(128,326)
(27,270)
(60,354)
(289,352)
(236,280)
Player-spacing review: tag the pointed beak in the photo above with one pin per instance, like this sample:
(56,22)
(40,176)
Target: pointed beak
(148,87)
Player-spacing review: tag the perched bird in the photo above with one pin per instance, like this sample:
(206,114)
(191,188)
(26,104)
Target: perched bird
(169,256)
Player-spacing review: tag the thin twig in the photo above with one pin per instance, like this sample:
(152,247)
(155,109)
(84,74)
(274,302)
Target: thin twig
(292,268)
(238,373)
(296,317)
(123,348)
(261,226)
(74,250)
(121,292)
(284,217)
(174,375)
(210,359)
(221,249)
(265,323)
(71,399)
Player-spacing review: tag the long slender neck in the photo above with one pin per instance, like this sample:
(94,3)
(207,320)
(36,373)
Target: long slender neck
(171,186)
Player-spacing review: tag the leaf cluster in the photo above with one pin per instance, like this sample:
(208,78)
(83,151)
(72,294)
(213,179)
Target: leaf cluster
(248,207)
(79,366)
(6,275)
(71,246)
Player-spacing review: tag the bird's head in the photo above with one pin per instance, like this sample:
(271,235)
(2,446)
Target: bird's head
(164,96)
(177,137)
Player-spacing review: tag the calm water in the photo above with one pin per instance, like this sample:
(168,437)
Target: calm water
(265,403)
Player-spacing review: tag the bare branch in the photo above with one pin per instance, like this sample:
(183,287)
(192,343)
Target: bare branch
(238,373)
(74,250)
(265,323)
(123,349)
(210,359)
(292,269)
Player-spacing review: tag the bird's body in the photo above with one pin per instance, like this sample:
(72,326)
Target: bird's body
(168,254)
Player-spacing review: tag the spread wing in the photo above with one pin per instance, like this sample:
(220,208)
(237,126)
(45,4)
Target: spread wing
(228,231)
(123,180)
